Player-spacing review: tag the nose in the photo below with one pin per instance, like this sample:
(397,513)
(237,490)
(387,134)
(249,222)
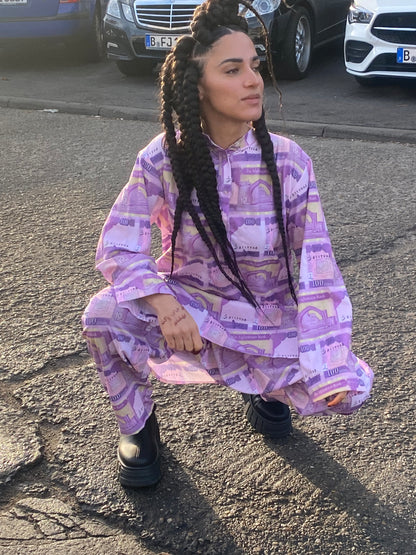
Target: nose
(252,77)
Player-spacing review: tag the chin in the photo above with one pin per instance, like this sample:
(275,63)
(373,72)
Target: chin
(257,115)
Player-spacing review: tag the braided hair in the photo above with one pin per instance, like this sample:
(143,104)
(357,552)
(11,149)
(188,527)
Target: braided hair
(191,161)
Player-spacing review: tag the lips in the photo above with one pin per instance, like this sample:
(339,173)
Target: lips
(252,97)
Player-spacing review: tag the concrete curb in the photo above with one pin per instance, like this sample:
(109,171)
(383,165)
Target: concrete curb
(308,129)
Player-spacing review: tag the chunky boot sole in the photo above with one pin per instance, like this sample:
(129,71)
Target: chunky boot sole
(277,428)
(139,477)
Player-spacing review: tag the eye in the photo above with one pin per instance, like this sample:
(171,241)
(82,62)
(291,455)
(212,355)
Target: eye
(232,70)
(256,67)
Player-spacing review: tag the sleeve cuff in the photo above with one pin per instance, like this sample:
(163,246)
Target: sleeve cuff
(132,292)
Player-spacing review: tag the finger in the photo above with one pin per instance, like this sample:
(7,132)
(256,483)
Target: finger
(170,340)
(337,399)
(179,344)
(197,343)
(188,342)
(173,340)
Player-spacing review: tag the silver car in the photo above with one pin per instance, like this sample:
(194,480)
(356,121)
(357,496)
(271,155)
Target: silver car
(140,32)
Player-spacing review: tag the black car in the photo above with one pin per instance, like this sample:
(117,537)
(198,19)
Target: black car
(142,31)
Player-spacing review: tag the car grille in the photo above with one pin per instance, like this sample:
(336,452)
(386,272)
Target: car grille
(399,28)
(388,62)
(164,17)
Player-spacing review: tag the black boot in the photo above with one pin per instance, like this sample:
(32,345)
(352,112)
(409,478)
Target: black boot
(271,418)
(139,456)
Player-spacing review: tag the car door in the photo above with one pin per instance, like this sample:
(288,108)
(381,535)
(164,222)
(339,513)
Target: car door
(337,15)
(330,18)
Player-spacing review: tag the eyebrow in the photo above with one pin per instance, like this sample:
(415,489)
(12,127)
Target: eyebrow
(238,60)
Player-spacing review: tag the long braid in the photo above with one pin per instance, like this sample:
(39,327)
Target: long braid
(267,151)
(167,103)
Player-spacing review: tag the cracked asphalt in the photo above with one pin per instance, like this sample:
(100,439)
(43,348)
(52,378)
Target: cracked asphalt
(338,485)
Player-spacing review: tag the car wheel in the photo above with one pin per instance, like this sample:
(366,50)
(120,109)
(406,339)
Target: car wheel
(296,52)
(95,42)
(133,68)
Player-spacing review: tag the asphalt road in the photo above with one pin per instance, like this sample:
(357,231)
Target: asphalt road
(327,96)
(338,485)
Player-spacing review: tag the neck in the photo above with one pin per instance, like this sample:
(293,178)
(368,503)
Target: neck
(225,136)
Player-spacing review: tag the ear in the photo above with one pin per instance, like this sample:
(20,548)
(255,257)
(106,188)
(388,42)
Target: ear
(200,92)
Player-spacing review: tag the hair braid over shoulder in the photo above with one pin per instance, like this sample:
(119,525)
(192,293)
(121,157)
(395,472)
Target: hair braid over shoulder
(268,156)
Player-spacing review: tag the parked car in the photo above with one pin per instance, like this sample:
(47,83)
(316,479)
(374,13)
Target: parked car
(80,21)
(140,31)
(380,40)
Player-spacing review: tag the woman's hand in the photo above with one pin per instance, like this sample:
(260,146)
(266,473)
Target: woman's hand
(337,399)
(177,325)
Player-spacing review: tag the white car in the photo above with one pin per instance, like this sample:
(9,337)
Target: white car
(380,39)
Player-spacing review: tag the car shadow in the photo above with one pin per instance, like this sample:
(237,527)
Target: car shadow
(41,55)
(37,57)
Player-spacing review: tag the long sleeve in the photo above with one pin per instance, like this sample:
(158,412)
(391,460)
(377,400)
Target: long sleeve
(123,252)
(324,319)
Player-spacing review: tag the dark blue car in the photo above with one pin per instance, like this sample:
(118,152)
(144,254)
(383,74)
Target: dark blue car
(77,21)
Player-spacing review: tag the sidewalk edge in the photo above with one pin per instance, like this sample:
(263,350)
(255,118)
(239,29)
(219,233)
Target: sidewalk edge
(308,129)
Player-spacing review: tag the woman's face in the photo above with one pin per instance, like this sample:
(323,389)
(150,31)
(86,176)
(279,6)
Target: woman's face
(231,87)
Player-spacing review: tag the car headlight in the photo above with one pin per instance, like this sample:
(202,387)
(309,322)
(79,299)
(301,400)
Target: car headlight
(357,14)
(127,11)
(263,7)
(113,9)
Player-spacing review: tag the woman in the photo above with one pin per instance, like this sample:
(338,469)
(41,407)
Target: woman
(237,208)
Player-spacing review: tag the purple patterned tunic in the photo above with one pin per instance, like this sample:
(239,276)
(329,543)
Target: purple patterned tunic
(297,354)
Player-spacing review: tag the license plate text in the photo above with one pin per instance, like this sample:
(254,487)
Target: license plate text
(406,55)
(161,42)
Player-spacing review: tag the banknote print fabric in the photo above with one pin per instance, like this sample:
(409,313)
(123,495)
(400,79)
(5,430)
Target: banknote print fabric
(299,354)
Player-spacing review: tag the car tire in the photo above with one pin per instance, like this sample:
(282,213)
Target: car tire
(96,51)
(91,47)
(294,56)
(134,68)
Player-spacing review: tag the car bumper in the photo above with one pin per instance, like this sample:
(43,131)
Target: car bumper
(125,41)
(61,25)
(369,56)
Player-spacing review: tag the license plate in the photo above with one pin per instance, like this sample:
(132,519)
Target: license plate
(161,42)
(406,55)
(12,2)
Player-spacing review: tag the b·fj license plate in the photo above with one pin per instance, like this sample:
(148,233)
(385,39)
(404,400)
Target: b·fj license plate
(160,42)
(406,55)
